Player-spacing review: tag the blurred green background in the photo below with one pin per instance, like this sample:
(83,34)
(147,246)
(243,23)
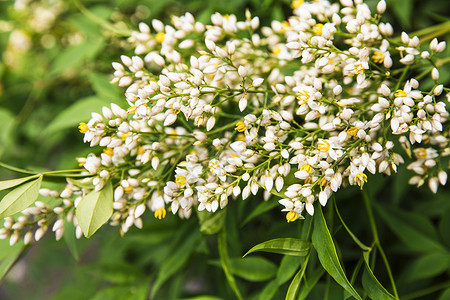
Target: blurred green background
(55,69)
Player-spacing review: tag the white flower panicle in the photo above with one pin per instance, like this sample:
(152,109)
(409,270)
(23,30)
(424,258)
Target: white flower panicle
(231,109)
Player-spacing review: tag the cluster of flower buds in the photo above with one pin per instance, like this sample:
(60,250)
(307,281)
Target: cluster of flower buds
(295,110)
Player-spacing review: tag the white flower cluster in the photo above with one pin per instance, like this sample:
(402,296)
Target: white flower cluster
(297,109)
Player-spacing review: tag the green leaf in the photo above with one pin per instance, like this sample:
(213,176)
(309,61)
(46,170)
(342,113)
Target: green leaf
(211,223)
(269,290)
(444,227)
(95,209)
(287,246)
(71,241)
(8,255)
(295,284)
(403,10)
(251,268)
(445,295)
(7,125)
(326,251)
(203,297)
(79,111)
(413,229)
(176,260)
(225,260)
(82,183)
(428,266)
(123,293)
(289,264)
(104,89)
(371,285)
(310,283)
(13,182)
(74,56)
(20,198)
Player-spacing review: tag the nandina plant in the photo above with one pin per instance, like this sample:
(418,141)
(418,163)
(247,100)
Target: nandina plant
(285,116)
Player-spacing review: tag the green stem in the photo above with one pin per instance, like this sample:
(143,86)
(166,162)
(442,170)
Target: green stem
(48,173)
(377,240)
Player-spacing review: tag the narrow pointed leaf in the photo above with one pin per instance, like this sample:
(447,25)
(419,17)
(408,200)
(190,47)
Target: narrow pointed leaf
(95,209)
(326,250)
(295,283)
(20,198)
(225,260)
(14,182)
(310,283)
(371,285)
(287,246)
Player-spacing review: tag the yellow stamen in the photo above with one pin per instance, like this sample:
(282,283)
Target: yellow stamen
(83,127)
(159,37)
(358,68)
(307,167)
(141,150)
(240,137)
(81,161)
(109,151)
(361,178)
(240,126)
(303,96)
(124,136)
(420,153)
(132,109)
(180,180)
(324,182)
(160,213)
(291,216)
(353,131)
(296,3)
(400,93)
(318,29)
(378,57)
(323,146)
(276,50)
(128,189)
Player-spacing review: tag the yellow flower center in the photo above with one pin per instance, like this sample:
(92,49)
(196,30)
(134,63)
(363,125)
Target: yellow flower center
(400,93)
(353,131)
(240,126)
(128,189)
(308,168)
(276,50)
(318,29)
(303,96)
(160,213)
(378,57)
(324,182)
(83,127)
(159,37)
(296,3)
(124,136)
(323,146)
(81,161)
(180,180)
(421,153)
(109,151)
(361,178)
(240,137)
(132,109)
(358,68)
(291,216)
(141,150)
